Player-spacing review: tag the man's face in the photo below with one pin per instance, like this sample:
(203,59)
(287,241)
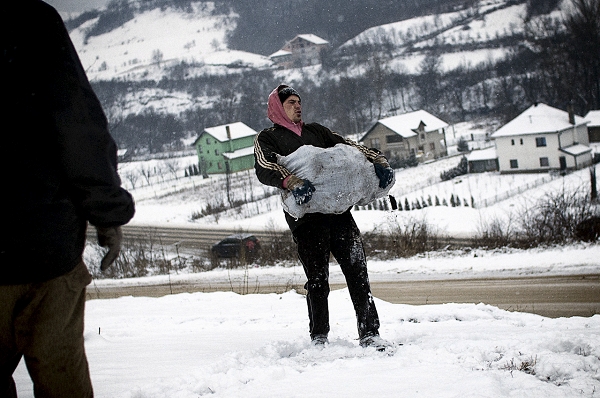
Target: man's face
(293,108)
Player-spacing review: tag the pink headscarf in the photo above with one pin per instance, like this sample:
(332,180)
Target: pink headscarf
(277,115)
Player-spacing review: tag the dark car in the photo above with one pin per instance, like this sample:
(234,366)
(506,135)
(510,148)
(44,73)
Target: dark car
(235,245)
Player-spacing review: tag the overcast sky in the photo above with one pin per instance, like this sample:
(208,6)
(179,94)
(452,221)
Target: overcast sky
(67,6)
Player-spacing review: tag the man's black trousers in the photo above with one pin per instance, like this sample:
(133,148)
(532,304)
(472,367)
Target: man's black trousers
(336,234)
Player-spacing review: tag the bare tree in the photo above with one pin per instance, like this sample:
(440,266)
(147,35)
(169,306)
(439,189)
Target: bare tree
(173,166)
(132,178)
(430,70)
(157,57)
(146,172)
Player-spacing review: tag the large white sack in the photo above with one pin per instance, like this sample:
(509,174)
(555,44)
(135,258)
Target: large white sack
(342,176)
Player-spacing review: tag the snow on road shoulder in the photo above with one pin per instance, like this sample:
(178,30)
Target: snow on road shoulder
(228,345)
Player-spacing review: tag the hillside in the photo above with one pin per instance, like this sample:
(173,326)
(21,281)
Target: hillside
(146,46)
(165,70)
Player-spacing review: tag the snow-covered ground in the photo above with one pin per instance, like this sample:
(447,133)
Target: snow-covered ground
(257,345)
(229,345)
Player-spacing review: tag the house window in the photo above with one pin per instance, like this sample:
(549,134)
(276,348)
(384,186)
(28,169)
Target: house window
(390,139)
(432,146)
(207,141)
(375,143)
(423,137)
(512,142)
(216,151)
(540,141)
(544,162)
(219,165)
(521,141)
(199,148)
(514,164)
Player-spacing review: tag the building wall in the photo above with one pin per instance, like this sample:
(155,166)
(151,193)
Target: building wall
(241,163)
(576,135)
(481,166)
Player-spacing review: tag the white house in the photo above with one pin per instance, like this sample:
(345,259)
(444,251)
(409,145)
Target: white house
(543,138)
(418,134)
(302,50)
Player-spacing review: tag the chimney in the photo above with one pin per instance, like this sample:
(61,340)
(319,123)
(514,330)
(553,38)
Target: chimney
(229,138)
(571,114)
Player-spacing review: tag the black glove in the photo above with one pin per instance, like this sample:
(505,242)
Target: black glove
(301,189)
(384,172)
(109,237)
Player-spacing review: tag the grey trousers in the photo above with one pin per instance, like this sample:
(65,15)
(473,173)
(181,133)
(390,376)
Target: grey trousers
(43,323)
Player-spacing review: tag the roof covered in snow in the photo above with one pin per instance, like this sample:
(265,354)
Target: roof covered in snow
(483,154)
(312,38)
(406,124)
(538,119)
(237,130)
(576,150)
(280,53)
(239,153)
(593,117)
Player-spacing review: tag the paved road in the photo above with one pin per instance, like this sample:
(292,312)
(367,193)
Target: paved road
(551,296)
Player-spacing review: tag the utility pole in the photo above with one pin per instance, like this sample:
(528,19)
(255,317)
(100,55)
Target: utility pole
(228,169)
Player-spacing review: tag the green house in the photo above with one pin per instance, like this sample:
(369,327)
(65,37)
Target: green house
(229,147)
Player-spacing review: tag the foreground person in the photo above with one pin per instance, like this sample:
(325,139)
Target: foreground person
(318,234)
(60,167)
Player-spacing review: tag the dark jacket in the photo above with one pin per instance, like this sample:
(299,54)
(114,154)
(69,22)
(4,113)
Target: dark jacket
(278,140)
(58,159)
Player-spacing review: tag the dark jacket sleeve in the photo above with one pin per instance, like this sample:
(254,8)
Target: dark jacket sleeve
(87,152)
(370,153)
(266,149)
(57,154)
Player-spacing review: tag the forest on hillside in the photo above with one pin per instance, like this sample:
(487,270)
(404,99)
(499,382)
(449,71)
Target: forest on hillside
(555,61)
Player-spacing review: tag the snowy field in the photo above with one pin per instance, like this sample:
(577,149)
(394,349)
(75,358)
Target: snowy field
(257,345)
(228,345)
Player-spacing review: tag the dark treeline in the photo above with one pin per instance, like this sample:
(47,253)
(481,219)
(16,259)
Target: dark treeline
(555,61)
(276,21)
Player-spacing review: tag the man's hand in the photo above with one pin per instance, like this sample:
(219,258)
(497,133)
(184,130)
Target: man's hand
(384,172)
(109,237)
(301,189)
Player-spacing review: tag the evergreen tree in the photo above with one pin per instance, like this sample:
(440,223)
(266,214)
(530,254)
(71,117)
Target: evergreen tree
(462,145)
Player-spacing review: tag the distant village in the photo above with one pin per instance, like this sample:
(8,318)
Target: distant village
(541,139)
